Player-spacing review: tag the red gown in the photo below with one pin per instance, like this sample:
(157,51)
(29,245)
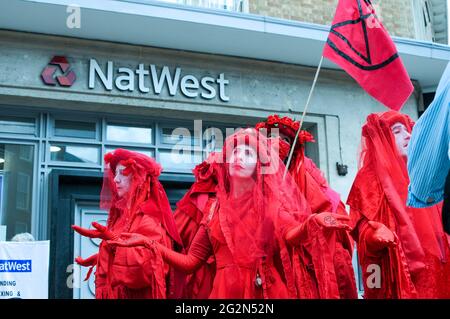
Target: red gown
(188,216)
(432,279)
(133,272)
(324,260)
(334,253)
(417,266)
(234,280)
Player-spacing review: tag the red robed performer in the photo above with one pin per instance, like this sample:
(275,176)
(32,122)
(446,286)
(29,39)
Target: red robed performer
(329,252)
(188,216)
(136,202)
(359,43)
(257,217)
(403,251)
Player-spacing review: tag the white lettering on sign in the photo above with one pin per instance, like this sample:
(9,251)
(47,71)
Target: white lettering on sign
(125,79)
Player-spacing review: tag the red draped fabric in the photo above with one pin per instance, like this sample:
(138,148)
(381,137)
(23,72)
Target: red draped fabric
(135,272)
(418,265)
(324,260)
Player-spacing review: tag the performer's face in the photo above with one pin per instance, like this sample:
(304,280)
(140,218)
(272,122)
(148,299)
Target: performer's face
(122,181)
(402,137)
(243,161)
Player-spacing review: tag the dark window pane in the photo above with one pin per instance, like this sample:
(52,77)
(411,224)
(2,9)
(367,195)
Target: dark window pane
(17,125)
(16,187)
(179,136)
(75,129)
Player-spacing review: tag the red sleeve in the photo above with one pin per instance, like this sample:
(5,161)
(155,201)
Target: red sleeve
(199,252)
(201,245)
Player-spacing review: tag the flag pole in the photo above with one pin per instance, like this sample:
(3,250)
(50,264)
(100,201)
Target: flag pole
(291,152)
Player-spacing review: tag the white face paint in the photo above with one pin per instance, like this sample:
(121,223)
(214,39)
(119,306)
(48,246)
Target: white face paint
(122,182)
(402,137)
(242,161)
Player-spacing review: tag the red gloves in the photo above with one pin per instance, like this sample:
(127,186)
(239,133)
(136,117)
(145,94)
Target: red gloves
(333,221)
(186,263)
(328,221)
(100,231)
(379,236)
(88,262)
(131,240)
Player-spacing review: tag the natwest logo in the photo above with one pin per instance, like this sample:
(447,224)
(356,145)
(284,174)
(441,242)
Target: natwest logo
(154,79)
(58,62)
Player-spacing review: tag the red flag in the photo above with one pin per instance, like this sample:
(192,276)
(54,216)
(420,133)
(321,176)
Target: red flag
(360,44)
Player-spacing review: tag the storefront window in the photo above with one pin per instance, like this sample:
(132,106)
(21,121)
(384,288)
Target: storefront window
(16,187)
(133,134)
(179,136)
(179,160)
(17,125)
(75,154)
(230,5)
(65,128)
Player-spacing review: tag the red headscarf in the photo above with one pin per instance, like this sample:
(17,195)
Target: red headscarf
(146,194)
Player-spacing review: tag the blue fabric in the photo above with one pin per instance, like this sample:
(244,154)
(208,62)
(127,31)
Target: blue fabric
(428,150)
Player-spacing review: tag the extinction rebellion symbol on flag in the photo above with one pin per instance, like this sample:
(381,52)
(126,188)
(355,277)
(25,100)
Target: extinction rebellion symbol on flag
(359,44)
(361,26)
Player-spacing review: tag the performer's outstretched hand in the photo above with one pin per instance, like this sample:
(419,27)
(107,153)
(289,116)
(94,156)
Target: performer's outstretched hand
(100,231)
(88,262)
(333,221)
(130,240)
(379,236)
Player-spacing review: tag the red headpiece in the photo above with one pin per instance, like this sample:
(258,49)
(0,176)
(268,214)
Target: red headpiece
(287,126)
(146,194)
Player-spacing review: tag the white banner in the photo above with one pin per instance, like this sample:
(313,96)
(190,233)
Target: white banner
(24,269)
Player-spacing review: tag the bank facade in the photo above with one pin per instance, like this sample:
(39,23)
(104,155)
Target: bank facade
(66,101)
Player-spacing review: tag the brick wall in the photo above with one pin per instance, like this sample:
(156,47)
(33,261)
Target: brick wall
(396,15)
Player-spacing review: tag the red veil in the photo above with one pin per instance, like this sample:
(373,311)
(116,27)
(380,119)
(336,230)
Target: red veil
(254,224)
(308,177)
(323,262)
(146,193)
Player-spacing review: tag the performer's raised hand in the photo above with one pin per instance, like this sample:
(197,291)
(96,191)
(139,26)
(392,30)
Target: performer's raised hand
(379,236)
(106,233)
(333,221)
(100,231)
(91,233)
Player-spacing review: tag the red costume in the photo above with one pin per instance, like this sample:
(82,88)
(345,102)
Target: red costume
(415,262)
(326,257)
(188,216)
(248,233)
(132,272)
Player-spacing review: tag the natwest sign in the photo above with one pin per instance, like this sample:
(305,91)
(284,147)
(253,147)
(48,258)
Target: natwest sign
(149,78)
